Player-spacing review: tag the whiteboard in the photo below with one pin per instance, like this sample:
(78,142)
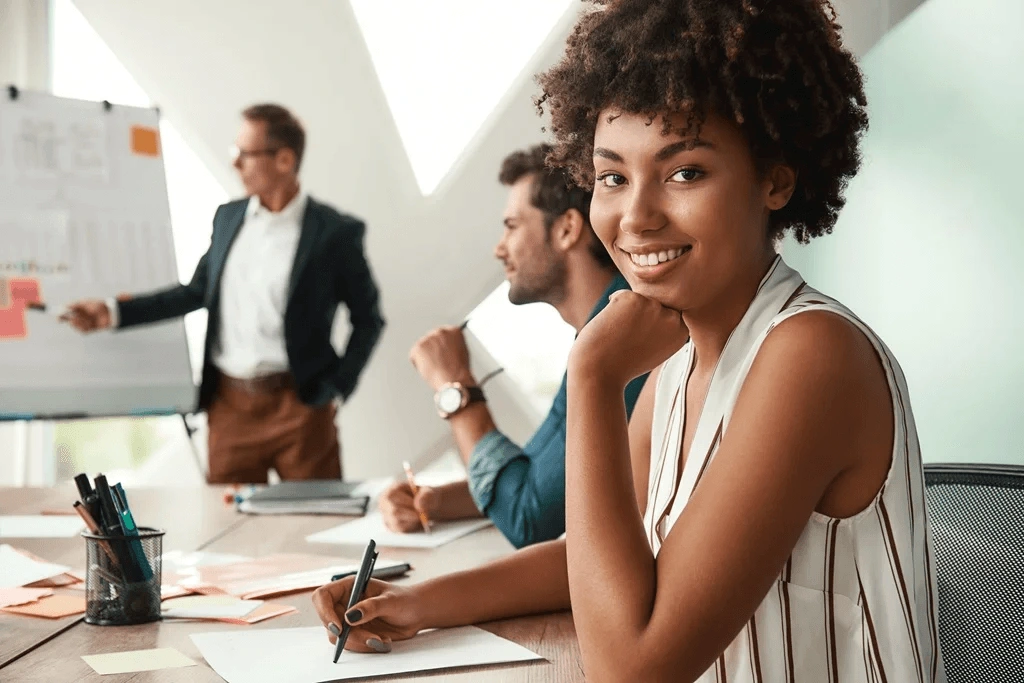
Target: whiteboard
(84,213)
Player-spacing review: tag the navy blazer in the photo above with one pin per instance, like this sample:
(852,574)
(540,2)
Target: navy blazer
(330,268)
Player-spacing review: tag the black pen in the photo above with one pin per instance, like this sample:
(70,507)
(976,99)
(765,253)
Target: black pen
(384,573)
(358,587)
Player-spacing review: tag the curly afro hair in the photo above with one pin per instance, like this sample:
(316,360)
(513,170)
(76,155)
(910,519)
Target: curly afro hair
(777,68)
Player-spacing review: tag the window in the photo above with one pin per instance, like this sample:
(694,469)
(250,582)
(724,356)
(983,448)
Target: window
(446,65)
(531,342)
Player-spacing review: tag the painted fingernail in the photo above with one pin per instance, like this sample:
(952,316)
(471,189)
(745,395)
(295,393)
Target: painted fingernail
(378,645)
(353,615)
(333,628)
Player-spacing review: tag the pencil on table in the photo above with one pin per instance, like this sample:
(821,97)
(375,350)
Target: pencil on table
(412,484)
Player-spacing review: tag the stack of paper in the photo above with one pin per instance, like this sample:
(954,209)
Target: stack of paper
(360,531)
(304,655)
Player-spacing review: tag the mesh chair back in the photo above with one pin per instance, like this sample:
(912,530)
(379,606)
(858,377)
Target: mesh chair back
(976,514)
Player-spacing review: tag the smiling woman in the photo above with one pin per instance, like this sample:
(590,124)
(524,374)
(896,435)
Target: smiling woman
(781,534)
(760,519)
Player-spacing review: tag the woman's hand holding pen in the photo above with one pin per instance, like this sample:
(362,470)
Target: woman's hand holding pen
(387,613)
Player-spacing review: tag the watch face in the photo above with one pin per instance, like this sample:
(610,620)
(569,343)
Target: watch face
(449,399)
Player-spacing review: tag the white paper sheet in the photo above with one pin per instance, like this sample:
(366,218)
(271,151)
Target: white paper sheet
(182,561)
(304,655)
(208,607)
(18,570)
(360,531)
(40,526)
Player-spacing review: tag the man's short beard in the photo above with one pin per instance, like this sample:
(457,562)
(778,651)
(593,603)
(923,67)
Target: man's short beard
(547,287)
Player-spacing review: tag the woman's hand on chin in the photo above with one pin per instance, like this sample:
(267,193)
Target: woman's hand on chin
(631,336)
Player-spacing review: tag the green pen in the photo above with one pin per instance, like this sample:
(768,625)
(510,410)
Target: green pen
(128,525)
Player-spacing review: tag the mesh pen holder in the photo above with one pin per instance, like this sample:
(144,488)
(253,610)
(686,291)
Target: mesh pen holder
(122,578)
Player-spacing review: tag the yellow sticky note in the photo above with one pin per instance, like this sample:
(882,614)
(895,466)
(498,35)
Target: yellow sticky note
(137,660)
(146,141)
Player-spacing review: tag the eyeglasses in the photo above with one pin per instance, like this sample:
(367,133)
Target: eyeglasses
(238,153)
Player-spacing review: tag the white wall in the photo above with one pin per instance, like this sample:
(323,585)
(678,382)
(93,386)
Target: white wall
(204,61)
(24,43)
(929,248)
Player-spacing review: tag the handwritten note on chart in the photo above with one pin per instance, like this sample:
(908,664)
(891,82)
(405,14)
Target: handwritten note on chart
(304,655)
(46,147)
(360,531)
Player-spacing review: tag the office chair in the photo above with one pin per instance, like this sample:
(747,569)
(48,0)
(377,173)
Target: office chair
(976,515)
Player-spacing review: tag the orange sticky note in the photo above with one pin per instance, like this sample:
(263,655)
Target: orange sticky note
(146,141)
(53,607)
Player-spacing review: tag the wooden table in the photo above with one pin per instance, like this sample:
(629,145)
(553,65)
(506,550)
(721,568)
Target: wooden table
(57,656)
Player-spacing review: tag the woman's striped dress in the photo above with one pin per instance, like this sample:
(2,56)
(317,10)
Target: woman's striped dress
(856,601)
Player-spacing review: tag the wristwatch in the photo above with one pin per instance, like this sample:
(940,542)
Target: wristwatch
(454,396)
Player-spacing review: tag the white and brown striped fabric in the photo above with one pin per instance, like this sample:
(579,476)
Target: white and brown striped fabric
(857,601)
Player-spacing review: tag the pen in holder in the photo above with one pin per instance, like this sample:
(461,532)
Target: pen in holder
(122,577)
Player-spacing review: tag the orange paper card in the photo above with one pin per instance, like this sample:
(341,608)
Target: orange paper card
(20,596)
(53,607)
(265,611)
(146,141)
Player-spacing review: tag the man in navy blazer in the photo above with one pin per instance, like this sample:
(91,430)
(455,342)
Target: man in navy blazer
(278,266)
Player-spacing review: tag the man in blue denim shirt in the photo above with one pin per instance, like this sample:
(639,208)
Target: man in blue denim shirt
(551,255)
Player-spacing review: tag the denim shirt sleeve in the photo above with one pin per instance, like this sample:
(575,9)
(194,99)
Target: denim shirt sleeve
(488,459)
(522,490)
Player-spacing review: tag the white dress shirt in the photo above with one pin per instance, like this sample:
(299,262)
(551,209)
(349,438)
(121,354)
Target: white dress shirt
(254,291)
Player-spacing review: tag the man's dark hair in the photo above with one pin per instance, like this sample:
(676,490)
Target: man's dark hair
(554,192)
(776,68)
(283,130)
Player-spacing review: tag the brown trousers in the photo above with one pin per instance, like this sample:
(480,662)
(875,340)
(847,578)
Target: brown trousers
(252,431)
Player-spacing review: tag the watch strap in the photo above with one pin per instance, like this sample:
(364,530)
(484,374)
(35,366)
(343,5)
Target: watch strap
(475,395)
